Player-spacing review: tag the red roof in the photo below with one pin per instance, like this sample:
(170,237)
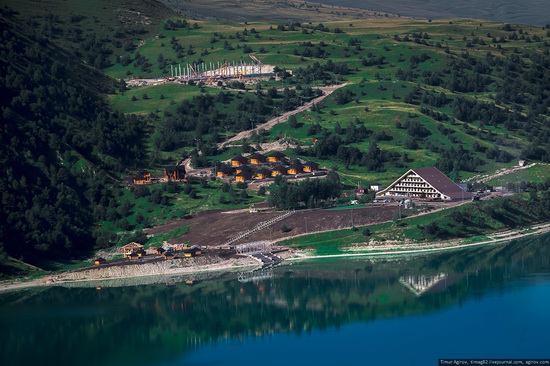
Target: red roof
(441,182)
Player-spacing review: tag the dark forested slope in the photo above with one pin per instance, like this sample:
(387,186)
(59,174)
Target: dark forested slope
(59,144)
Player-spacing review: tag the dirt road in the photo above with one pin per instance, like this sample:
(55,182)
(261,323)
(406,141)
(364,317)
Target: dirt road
(327,90)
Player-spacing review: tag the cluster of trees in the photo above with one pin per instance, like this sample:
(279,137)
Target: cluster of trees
(451,161)
(59,145)
(320,72)
(509,212)
(201,121)
(308,193)
(332,147)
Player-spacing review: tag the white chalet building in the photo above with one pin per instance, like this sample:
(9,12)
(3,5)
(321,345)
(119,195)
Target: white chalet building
(427,183)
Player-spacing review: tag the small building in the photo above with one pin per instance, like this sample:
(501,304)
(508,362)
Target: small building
(160,251)
(428,183)
(168,255)
(243,168)
(278,170)
(310,167)
(275,157)
(375,187)
(144,177)
(263,173)
(243,176)
(224,171)
(141,253)
(133,257)
(174,172)
(256,159)
(192,252)
(522,163)
(99,261)
(239,160)
(295,168)
(130,248)
(179,247)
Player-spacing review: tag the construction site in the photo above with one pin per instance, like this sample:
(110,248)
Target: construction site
(212,73)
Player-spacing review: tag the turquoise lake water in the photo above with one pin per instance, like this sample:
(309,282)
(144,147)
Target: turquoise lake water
(491,302)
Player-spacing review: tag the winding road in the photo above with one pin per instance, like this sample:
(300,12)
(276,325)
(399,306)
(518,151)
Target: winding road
(327,90)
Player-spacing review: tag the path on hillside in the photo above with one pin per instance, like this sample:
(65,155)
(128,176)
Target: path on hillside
(500,172)
(327,90)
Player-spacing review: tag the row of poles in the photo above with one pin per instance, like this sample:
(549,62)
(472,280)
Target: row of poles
(207,70)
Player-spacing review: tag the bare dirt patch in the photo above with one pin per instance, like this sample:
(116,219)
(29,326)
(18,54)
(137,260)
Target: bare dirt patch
(213,228)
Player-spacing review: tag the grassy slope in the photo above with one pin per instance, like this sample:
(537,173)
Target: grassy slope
(471,221)
(385,107)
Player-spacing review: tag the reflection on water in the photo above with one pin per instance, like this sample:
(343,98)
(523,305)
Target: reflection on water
(420,285)
(158,324)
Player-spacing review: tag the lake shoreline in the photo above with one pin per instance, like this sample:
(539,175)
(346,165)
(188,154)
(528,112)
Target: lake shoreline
(292,256)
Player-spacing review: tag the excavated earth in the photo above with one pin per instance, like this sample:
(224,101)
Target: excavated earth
(213,228)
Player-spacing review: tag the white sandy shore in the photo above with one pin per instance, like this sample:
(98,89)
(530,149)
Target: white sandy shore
(301,255)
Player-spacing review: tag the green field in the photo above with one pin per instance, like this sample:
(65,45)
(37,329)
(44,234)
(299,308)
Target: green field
(379,95)
(469,222)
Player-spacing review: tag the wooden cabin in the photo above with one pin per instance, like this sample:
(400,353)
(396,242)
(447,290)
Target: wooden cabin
(310,166)
(275,157)
(174,172)
(278,170)
(295,168)
(160,251)
(133,257)
(224,171)
(144,177)
(99,261)
(243,168)
(263,173)
(239,160)
(130,248)
(169,255)
(256,159)
(192,252)
(243,176)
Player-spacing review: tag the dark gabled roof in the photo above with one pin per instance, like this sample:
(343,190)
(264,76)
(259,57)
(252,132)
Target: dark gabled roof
(279,168)
(441,182)
(245,168)
(296,165)
(245,174)
(311,164)
(100,259)
(239,158)
(173,168)
(225,169)
(263,171)
(276,154)
(256,156)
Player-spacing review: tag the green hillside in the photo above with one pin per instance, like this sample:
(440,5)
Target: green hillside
(61,147)
(466,96)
